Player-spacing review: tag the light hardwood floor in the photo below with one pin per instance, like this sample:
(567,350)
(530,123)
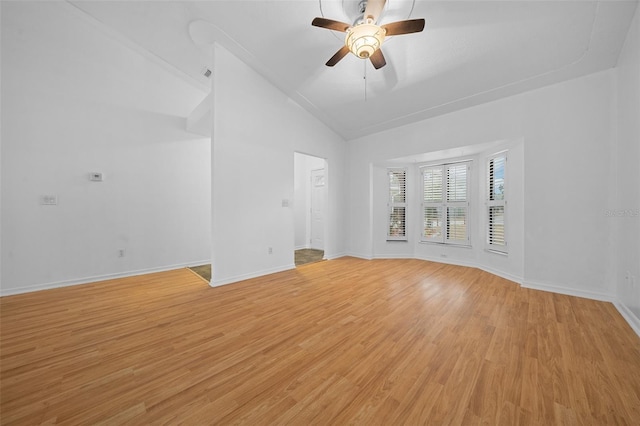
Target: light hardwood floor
(346,341)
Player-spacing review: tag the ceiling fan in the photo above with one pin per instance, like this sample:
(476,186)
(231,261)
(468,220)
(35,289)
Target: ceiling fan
(365,37)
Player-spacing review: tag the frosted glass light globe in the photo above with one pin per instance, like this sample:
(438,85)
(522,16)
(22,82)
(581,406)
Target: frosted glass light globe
(364,39)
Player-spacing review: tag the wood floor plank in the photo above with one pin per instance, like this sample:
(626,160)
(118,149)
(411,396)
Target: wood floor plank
(346,341)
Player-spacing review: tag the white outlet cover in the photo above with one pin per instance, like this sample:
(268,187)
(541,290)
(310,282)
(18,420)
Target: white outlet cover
(49,200)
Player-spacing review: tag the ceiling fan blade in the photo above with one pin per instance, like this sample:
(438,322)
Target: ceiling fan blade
(374,9)
(404,27)
(330,24)
(377,59)
(338,56)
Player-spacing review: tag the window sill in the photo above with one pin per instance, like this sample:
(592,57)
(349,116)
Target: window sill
(446,244)
(501,253)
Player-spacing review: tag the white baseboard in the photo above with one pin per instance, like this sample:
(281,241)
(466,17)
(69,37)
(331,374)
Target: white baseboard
(360,255)
(391,256)
(330,256)
(569,291)
(446,260)
(507,276)
(242,277)
(629,316)
(97,278)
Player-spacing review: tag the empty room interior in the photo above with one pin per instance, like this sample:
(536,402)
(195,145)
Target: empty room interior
(464,175)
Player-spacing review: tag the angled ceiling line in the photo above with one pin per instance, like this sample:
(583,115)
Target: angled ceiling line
(219,36)
(132,45)
(384,124)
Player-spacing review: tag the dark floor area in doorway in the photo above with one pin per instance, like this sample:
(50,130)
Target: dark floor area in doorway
(203,270)
(304,256)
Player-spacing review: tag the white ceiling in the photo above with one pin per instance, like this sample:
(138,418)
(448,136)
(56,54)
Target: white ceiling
(469,53)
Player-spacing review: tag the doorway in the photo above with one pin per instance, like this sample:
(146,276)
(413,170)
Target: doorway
(310,192)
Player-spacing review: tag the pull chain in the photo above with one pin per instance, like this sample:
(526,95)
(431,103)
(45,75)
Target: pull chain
(365,80)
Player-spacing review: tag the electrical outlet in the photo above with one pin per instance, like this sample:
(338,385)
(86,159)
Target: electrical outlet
(49,200)
(630,278)
(121,253)
(270,250)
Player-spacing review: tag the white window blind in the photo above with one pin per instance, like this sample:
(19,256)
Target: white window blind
(496,202)
(445,203)
(432,189)
(457,203)
(397,225)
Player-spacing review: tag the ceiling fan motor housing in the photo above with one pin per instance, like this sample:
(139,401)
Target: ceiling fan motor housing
(364,39)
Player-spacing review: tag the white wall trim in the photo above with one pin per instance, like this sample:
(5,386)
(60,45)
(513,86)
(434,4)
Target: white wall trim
(447,261)
(126,41)
(392,256)
(553,288)
(242,277)
(331,256)
(629,316)
(97,278)
(360,255)
(507,276)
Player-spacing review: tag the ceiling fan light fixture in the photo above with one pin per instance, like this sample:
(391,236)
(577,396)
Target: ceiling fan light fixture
(364,39)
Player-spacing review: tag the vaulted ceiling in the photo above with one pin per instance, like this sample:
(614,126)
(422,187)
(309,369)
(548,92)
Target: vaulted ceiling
(470,52)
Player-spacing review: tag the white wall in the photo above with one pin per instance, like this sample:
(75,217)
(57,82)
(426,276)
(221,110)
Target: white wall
(74,101)
(303,165)
(625,210)
(256,131)
(566,134)
(568,147)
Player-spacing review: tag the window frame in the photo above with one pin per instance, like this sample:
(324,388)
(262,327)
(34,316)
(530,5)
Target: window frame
(393,205)
(491,203)
(444,204)
(432,203)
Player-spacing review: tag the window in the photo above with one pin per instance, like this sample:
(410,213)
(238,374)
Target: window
(445,203)
(397,226)
(496,202)
(432,204)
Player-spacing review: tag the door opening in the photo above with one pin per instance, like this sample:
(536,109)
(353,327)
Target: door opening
(309,208)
